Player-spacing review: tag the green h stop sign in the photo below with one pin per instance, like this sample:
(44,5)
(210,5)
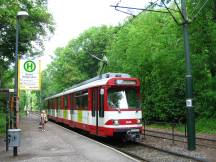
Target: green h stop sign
(29,66)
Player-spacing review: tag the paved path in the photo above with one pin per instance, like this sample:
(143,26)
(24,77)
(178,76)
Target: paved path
(57,144)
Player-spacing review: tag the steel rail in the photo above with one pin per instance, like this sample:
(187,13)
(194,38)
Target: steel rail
(154,148)
(172,153)
(179,136)
(157,149)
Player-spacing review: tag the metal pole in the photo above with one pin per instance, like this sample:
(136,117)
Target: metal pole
(40,100)
(7,119)
(16,106)
(189,96)
(40,76)
(11,110)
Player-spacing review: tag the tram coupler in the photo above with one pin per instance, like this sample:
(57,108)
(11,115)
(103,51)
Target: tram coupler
(133,135)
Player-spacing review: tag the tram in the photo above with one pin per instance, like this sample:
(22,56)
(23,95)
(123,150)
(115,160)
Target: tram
(107,105)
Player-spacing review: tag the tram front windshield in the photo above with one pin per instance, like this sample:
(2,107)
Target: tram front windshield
(123,98)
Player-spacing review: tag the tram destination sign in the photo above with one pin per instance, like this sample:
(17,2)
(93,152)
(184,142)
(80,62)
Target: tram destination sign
(29,74)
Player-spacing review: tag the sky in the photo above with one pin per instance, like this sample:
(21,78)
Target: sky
(73,17)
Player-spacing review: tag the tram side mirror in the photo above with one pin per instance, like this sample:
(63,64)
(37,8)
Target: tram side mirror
(101,91)
(139,107)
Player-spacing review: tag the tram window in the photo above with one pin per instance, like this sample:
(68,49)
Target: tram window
(48,104)
(101,110)
(51,104)
(79,103)
(123,98)
(65,102)
(54,103)
(72,102)
(82,100)
(59,103)
(93,102)
(85,100)
(56,106)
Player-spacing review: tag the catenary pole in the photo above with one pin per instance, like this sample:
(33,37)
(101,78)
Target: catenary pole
(191,137)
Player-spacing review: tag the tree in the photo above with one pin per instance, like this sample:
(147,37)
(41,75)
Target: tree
(203,42)
(73,63)
(34,29)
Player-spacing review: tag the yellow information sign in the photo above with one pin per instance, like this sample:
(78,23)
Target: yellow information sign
(29,74)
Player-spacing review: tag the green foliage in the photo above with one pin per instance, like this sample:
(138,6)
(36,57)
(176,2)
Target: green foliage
(203,49)
(2,123)
(33,29)
(206,126)
(3,106)
(30,99)
(73,63)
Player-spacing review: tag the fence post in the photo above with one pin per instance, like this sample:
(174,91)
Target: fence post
(144,127)
(173,133)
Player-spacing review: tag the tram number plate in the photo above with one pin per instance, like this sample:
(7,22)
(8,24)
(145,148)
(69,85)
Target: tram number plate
(134,130)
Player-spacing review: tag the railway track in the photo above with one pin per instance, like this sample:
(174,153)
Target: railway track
(144,152)
(200,141)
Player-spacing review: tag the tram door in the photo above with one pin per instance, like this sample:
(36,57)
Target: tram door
(95,108)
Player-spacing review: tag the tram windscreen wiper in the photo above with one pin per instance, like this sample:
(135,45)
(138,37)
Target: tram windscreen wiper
(119,110)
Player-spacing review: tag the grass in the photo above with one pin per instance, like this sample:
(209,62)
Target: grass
(203,126)
(2,124)
(160,126)
(206,126)
(3,121)
(22,114)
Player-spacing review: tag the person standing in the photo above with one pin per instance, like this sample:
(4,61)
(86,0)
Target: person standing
(43,120)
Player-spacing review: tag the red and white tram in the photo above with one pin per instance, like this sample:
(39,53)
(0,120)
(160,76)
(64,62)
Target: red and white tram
(106,105)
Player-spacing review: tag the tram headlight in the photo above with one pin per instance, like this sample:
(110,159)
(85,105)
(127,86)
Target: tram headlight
(138,121)
(115,122)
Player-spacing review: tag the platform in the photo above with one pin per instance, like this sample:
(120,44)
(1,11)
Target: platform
(58,144)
